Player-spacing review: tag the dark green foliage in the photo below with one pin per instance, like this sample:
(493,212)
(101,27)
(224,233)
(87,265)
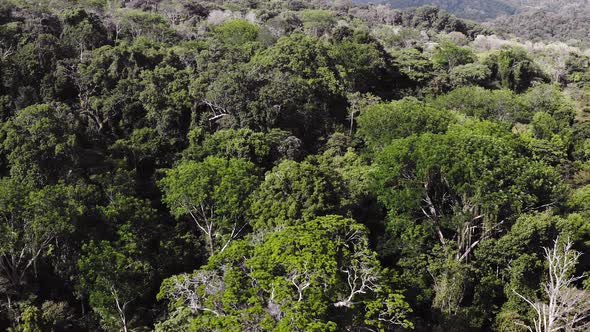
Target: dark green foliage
(514,69)
(40,143)
(295,191)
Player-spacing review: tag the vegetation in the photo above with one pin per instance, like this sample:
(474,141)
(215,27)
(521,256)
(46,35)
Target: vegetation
(533,20)
(259,165)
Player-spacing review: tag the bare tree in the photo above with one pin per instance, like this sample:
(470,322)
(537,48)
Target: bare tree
(195,290)
(567,308)
(121,308)
(358,102)
(362,277)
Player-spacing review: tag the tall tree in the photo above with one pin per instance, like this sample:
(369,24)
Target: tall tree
(568,308)
(292,279)
(214,195)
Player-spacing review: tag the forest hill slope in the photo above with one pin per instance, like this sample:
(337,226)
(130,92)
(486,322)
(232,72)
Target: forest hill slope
(477,10)
(534,20)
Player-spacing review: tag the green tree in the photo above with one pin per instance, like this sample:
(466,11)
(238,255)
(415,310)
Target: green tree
(214,194)
(414,64)
(167,99)
(294,191)
(117,274)
(301,89)
(499,105)
(470,74)
(514,69)
(32,221)
(448,193)
(109,86)
(236,33)
(361,63)
(317,22)
(41,143)
(448,56)
(132,24)
(319,275)
(258,147)
(82,31)
(381,124)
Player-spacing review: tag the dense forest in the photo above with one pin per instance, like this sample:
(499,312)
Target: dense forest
(255,165)
(568,24)
(537,20)
(478,10)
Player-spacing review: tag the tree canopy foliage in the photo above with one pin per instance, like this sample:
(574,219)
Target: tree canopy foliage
(183,165)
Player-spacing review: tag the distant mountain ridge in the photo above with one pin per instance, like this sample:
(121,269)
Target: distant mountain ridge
(478,10)
(487,10)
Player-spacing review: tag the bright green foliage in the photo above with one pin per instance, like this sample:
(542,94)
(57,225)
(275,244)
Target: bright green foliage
(381,124)
(500,105)
(317,22)
(133,137)
(301,274)
(470,74)
(236,33)
(414,64)
(448,192)
(295,191)
(543,125)
(214,194)
(30,320)
(448,56)
(580,199)
(474,168)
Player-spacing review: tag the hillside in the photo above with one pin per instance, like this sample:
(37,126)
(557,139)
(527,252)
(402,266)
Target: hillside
(568,24)
(537,20)
(477,10)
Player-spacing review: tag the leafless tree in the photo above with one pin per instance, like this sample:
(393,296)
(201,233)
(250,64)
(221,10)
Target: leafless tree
(121,308)
(566,308)
(196,289)
(358,102)
(362,277)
